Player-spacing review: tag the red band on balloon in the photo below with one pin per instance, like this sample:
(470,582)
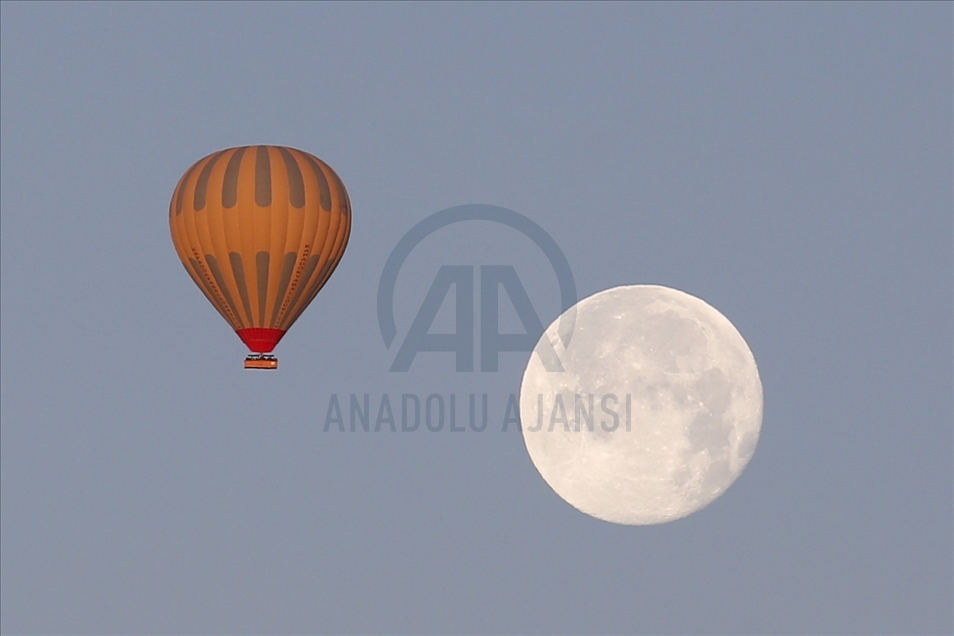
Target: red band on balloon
(259,339)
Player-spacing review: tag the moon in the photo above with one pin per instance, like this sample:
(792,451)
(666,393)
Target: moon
(657,411)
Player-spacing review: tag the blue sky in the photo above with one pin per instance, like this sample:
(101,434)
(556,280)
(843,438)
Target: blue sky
(790,164)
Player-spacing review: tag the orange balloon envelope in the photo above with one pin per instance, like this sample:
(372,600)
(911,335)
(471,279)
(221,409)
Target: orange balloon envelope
(260,229)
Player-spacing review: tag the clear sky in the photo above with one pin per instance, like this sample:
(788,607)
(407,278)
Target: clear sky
(790,164)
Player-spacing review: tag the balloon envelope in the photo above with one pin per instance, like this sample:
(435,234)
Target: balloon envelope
(260,229)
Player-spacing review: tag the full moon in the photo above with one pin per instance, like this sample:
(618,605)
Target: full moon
(656,413)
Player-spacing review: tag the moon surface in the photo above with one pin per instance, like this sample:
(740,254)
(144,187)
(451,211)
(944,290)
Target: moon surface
(656,413)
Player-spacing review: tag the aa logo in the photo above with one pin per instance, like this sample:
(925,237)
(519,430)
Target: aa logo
(493,279)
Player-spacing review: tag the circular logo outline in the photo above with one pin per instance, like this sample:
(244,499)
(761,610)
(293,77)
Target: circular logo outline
(476,212)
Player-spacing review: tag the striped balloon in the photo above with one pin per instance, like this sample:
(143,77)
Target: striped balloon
(260,229)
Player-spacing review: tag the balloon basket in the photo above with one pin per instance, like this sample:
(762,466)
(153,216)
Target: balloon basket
(262,361)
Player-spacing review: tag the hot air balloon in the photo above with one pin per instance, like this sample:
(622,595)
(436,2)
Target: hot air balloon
(260,229)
